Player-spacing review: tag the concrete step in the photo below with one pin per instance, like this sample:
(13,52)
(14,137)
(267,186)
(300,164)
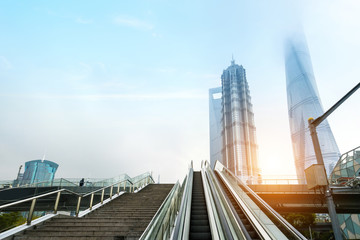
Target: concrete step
(99,223)
(79,234)
(115,219)
(67,238)
(90,228)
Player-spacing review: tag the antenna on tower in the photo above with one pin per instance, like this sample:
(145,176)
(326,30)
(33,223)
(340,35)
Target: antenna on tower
(232,59)
(44,156)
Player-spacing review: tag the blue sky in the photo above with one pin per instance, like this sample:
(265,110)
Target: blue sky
(115,87)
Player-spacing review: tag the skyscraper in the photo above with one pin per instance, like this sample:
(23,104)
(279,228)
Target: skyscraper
(39,171)
(239,148)
(304,102)
(215,115)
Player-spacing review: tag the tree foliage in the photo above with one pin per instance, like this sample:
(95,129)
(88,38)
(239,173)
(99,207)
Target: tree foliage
(12,219)
(300,220)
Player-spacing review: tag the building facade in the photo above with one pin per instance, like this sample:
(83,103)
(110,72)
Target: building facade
(347,172)
(39,171)
(239,147)
(304,102)
(215,125)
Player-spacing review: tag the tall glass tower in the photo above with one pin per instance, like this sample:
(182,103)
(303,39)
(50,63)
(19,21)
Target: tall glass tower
(304,102)
(215,125)
(239,152)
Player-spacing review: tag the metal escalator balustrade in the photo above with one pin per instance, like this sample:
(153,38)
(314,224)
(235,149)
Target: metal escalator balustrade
(267,223)
(202,214)
(227,225)
(249,228)
(161,224)
(182,222)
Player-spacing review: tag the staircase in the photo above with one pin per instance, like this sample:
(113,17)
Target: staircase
(124,218)
(199,223)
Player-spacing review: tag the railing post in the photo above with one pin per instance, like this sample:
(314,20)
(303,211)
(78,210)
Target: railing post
(118,189)
(57,202)
(31,212)
(102,196)
(78,207)
(111,191)
(124,185)
(91,200)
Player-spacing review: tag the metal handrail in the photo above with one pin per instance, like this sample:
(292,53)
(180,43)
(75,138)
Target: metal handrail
(139,183)
(269,209)
(219,229)
(182,225)
(160,225)
(229,221)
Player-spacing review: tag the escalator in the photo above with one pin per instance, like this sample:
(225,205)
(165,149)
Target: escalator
(252,233)
(216,204)
(199,221)
(259,220)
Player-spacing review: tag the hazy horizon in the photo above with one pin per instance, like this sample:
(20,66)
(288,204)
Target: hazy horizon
(107,89)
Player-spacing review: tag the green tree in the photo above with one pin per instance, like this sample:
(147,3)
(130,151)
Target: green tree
(12,219)
(300,220)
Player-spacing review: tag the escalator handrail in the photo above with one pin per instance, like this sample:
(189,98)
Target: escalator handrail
(258,226)
(214,221)
(159,220)
(286,224)
(182,225)
(218,207)
(234,219)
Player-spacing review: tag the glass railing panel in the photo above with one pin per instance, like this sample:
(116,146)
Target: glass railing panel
(255,209)
(161,225)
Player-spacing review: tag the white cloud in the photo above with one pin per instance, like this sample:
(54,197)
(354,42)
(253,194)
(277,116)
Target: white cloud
(83,21)
(133,22)
(5,63)
(87,67)
(102,66)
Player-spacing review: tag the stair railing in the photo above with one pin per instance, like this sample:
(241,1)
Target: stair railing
(123,183)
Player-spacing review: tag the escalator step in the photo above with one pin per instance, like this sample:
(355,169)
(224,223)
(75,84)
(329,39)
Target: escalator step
(199,217)
(200,222)
(199,228)
(200,236)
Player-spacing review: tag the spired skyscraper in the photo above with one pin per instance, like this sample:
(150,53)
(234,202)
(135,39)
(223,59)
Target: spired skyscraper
(232,131)
(304,102)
